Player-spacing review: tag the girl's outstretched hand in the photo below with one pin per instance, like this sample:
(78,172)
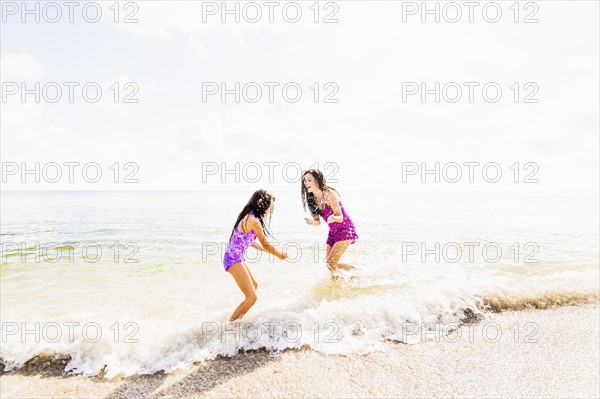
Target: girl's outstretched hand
(309,221)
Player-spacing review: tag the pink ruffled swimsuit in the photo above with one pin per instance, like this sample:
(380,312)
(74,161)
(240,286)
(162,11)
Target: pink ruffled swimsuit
(339,231)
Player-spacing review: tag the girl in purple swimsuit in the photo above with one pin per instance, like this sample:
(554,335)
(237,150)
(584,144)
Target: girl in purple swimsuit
(249,226)
(324,201)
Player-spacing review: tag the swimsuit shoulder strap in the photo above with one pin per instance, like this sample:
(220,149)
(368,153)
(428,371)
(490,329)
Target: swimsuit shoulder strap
(331,192)
(237,230)
(245,232)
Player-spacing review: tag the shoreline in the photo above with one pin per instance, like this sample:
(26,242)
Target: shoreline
(470,361)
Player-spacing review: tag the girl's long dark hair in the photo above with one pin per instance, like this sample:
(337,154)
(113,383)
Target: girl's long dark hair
(258,204)
(308,199)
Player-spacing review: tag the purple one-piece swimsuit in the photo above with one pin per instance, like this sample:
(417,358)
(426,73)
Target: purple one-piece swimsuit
(339,231)
(237,246)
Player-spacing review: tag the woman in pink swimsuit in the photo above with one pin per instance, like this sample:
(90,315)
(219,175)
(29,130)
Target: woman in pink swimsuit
(323,201)
(249,226)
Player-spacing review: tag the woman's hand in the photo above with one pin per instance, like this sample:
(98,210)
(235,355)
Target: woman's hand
(331,219)
(283,256)
(309,221)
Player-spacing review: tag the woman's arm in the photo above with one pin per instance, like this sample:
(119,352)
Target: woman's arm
(315,221)
(334,203)
(266,245)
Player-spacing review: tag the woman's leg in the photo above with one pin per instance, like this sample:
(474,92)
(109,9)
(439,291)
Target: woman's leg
(345,266)
(245,282)
(334,255)
(327,252)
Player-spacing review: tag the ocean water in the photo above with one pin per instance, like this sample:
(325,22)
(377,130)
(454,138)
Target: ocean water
(132,283)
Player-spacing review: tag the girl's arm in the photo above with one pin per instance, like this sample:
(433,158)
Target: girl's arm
(334,203)
(266,245)
(258,246)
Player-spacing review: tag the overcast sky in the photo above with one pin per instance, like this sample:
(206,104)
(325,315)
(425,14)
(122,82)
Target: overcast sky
(371,58)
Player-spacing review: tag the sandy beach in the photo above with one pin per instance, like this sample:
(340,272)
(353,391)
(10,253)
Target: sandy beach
(556,355)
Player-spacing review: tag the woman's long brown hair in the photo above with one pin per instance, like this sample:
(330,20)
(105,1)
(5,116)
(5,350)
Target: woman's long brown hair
(308,199)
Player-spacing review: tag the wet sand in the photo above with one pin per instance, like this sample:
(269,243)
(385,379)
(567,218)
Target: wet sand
(558,355)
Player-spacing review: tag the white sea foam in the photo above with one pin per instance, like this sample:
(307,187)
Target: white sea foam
(170,309)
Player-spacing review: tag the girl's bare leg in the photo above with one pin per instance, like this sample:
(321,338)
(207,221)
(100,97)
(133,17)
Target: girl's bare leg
(244,280)
(251,276)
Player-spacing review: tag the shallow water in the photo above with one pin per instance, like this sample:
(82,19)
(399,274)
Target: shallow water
(157,298)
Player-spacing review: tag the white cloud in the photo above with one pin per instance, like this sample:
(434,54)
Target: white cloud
(21,66)
(369,53)
(184,22)
(121,93)
(587,64)
(201,134)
